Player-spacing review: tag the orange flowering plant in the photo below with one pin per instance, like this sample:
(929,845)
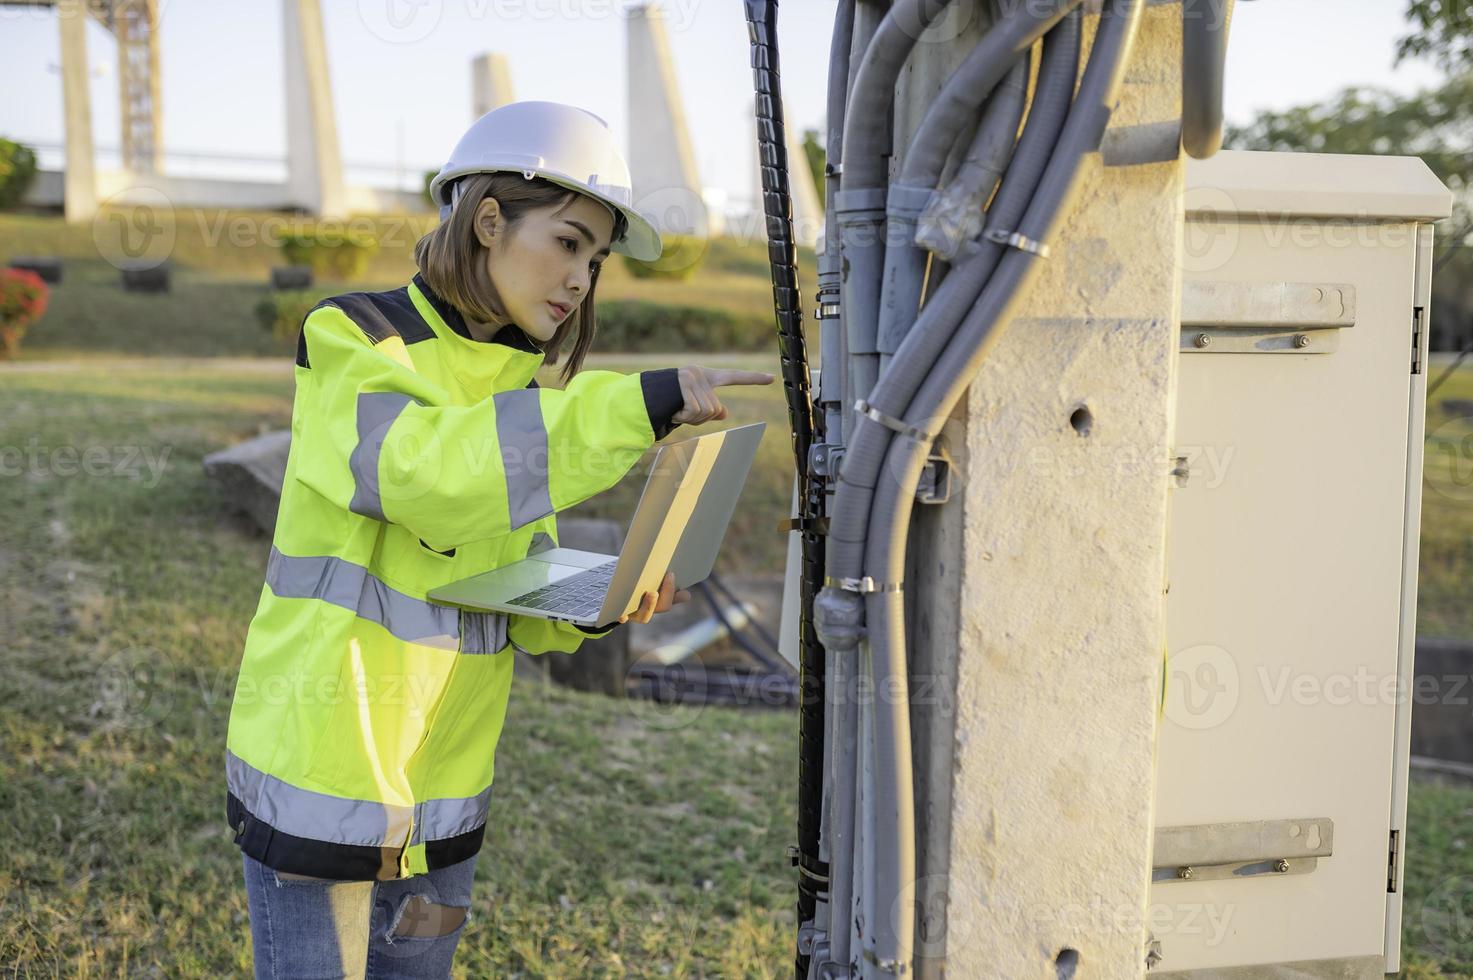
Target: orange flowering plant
(22,301)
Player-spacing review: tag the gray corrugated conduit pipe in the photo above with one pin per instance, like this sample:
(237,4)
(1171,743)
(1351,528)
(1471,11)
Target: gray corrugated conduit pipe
(938,395)
(938,320)
(954,214)
(860,203)
(830,382)
(1204,41)
(868,16)
(838,613)
(827,410)
(833,842)
(996,55)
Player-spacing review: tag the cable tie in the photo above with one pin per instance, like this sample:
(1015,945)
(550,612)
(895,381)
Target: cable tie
(1019,241)
(864,584)
(891,422)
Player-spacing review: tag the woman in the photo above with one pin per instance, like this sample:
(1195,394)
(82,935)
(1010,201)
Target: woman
(360,752)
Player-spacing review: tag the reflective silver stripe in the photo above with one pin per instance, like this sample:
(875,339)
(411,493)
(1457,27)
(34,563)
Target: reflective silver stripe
(541,541)
(377,410)
(450,816)
(339,820)
(519,427)
(407,618)
(482,632)
(318,816)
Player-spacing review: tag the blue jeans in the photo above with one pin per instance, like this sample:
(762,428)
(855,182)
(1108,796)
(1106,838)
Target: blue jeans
(316,929)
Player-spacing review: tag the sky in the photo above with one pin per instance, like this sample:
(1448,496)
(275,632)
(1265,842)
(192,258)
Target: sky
(400,72)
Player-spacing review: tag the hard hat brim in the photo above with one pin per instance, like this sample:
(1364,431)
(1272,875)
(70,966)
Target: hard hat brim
(641,240)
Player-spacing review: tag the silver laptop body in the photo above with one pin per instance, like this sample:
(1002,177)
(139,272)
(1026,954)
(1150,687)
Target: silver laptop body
(678,526)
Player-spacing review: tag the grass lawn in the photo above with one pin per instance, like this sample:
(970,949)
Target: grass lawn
(611,851)
(1445,581)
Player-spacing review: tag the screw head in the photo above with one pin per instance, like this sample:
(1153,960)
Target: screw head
(1281,865)
(1301,340)
(1185,872)
(1202,339)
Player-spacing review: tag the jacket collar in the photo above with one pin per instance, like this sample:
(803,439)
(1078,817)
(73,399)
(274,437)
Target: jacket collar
(510,335)
(509,360)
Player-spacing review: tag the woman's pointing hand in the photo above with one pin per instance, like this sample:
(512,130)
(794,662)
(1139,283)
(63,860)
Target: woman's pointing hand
(698,386)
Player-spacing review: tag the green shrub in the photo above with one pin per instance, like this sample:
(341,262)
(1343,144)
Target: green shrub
(680,257)
(17,171)
(282,313)
(332,254)
(634,325)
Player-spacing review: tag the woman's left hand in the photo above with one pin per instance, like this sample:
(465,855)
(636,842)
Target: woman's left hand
(658,602)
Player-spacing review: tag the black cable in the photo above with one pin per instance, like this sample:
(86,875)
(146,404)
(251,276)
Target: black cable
(761,16)
(756,624)
(761,656)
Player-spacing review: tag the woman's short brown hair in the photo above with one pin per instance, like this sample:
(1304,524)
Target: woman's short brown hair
(451,261)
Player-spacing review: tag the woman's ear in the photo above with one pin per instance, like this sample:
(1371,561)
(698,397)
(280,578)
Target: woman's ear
(490,224)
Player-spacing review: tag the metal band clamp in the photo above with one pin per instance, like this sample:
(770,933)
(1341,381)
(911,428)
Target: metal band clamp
(863,584)
(1019,241)
(891,422)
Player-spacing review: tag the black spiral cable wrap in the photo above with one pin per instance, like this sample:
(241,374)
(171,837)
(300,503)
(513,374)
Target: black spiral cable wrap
(782,257)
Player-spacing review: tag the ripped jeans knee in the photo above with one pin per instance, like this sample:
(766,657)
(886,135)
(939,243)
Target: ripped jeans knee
(418,917)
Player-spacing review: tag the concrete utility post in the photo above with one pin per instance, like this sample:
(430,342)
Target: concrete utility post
(80,191)
(314,164)
(1044,574)
(491,85)
(667,183)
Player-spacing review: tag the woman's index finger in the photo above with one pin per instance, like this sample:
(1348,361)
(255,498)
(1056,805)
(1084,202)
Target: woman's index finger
(717,377)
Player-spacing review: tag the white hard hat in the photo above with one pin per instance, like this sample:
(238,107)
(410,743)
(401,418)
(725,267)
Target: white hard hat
(561,143)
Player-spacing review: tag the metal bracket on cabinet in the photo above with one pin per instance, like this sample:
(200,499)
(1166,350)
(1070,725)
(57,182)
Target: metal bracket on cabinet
(1264,317)
(1241,850)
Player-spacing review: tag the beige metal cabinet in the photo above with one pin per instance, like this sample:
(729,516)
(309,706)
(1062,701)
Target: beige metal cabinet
(1292,559)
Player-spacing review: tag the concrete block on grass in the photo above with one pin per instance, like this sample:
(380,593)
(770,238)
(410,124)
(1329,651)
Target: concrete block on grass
(144,277)
(291,277)
(47,267)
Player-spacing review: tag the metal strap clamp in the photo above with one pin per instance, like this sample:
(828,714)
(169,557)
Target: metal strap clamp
(896,967)
(863,584)
(891,422)
(1019,241)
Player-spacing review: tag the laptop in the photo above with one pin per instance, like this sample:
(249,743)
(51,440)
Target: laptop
(677,526)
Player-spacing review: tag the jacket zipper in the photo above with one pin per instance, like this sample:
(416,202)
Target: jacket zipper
(408,762)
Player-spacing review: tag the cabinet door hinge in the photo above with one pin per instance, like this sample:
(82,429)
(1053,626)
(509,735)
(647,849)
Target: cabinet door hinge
(1391,861)
(1417,316)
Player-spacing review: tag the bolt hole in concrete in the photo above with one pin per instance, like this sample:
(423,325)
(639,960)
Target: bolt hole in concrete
(1066,963)
(1081,419)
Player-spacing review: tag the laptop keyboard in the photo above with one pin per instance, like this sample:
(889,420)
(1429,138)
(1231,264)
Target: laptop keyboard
(578,595)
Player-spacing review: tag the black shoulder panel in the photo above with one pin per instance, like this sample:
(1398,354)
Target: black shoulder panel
(379,315)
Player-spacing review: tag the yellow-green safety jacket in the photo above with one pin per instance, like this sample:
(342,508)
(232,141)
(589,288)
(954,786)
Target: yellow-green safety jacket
(365,719)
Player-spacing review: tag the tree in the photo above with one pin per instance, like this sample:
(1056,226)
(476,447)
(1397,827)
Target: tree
(1442,31)
(1434,124)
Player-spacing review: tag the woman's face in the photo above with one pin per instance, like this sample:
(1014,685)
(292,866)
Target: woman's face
(547,258)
